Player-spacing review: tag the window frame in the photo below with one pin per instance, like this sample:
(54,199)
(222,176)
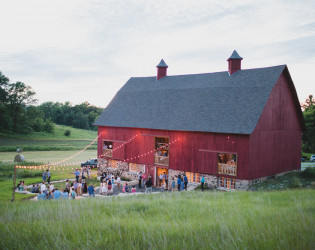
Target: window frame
(163,157)
(220,165)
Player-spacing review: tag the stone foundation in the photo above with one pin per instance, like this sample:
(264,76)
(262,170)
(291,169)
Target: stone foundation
(210,180)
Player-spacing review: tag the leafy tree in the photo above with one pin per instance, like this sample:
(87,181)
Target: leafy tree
(309,118)
(19,96)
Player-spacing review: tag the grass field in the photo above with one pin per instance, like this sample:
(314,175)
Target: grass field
(78,139)
(49,156)
(186,220)
(34,176)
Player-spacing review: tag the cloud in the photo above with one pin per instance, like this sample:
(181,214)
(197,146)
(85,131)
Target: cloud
(86,50)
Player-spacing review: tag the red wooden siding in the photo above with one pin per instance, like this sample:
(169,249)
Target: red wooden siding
(275,144)
(188,154)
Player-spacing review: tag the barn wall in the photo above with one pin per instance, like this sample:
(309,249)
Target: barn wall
(275,144)
(193,152)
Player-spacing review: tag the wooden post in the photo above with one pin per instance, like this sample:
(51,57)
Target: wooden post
(14,178)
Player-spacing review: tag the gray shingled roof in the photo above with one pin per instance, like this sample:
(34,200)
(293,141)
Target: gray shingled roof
(212,102)
(235,55)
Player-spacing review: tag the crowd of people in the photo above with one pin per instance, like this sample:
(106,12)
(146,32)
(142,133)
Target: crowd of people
(71,190)
(108,181)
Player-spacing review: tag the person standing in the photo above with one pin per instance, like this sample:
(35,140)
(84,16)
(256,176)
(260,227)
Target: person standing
(185,182)
(44,176)
(173,184)
(67,186)
(179,181)
(77,174)
(165,177)
(79,189)
(118,180)
(75,187)
(140,178)
(148,185)
(161,179)
(88,171)
(43,187)
(202,183)
(48,176)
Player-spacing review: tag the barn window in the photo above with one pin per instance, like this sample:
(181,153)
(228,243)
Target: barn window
(193,177)
(137,168)
(113,163)
(226,183)
(108,148)
(227,164)
(161,155)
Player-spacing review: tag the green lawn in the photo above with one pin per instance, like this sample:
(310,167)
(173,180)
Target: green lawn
(49,156)
(185,220)
(34,176)
(78,139)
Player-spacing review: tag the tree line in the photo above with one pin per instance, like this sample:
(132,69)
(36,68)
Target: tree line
(19,112)
(309,118)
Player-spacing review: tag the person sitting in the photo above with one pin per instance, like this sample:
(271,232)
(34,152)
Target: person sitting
(91,190)
(73,194)
(41,196)
(127,188)
(36,189)
(57,194)
(33,189)
(133,190)
(50,195)
(65,194)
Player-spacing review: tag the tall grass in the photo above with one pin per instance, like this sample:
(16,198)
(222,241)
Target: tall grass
(187,220)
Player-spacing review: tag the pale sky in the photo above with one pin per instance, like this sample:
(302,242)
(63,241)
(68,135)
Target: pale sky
(80,50)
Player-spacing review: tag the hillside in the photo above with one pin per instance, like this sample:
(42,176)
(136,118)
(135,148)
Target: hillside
(40,141)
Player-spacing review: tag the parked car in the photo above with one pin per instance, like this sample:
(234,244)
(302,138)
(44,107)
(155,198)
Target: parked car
(90,163)
(312,158)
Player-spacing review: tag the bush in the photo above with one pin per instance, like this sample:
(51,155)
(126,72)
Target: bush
(309,173)
(67,133)
(49,126)
(295,183)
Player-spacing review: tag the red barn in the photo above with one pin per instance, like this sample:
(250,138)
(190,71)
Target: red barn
(233,127)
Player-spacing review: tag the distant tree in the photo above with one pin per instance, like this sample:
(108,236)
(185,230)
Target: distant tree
(4,116)
(19,96)
(308,102)
(309,118)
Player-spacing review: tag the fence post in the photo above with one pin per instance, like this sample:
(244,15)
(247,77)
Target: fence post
(14,178)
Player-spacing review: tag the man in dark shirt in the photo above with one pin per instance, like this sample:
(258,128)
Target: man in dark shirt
(149,184)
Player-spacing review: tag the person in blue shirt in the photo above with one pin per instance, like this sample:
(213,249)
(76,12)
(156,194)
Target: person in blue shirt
(44,176)
(41,196)
(182,185)
(185,182)
(202,183)
(73,194)
(91,191)
(65,194)
(77,174)
(57,194)
(179,181)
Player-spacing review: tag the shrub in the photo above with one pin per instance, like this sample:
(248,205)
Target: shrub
(49,126)
(295,183)
(67,133)
(309,173)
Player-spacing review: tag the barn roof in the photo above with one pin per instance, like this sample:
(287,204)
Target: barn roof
(211,102)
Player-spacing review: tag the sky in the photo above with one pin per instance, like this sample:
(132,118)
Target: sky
(86,50)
